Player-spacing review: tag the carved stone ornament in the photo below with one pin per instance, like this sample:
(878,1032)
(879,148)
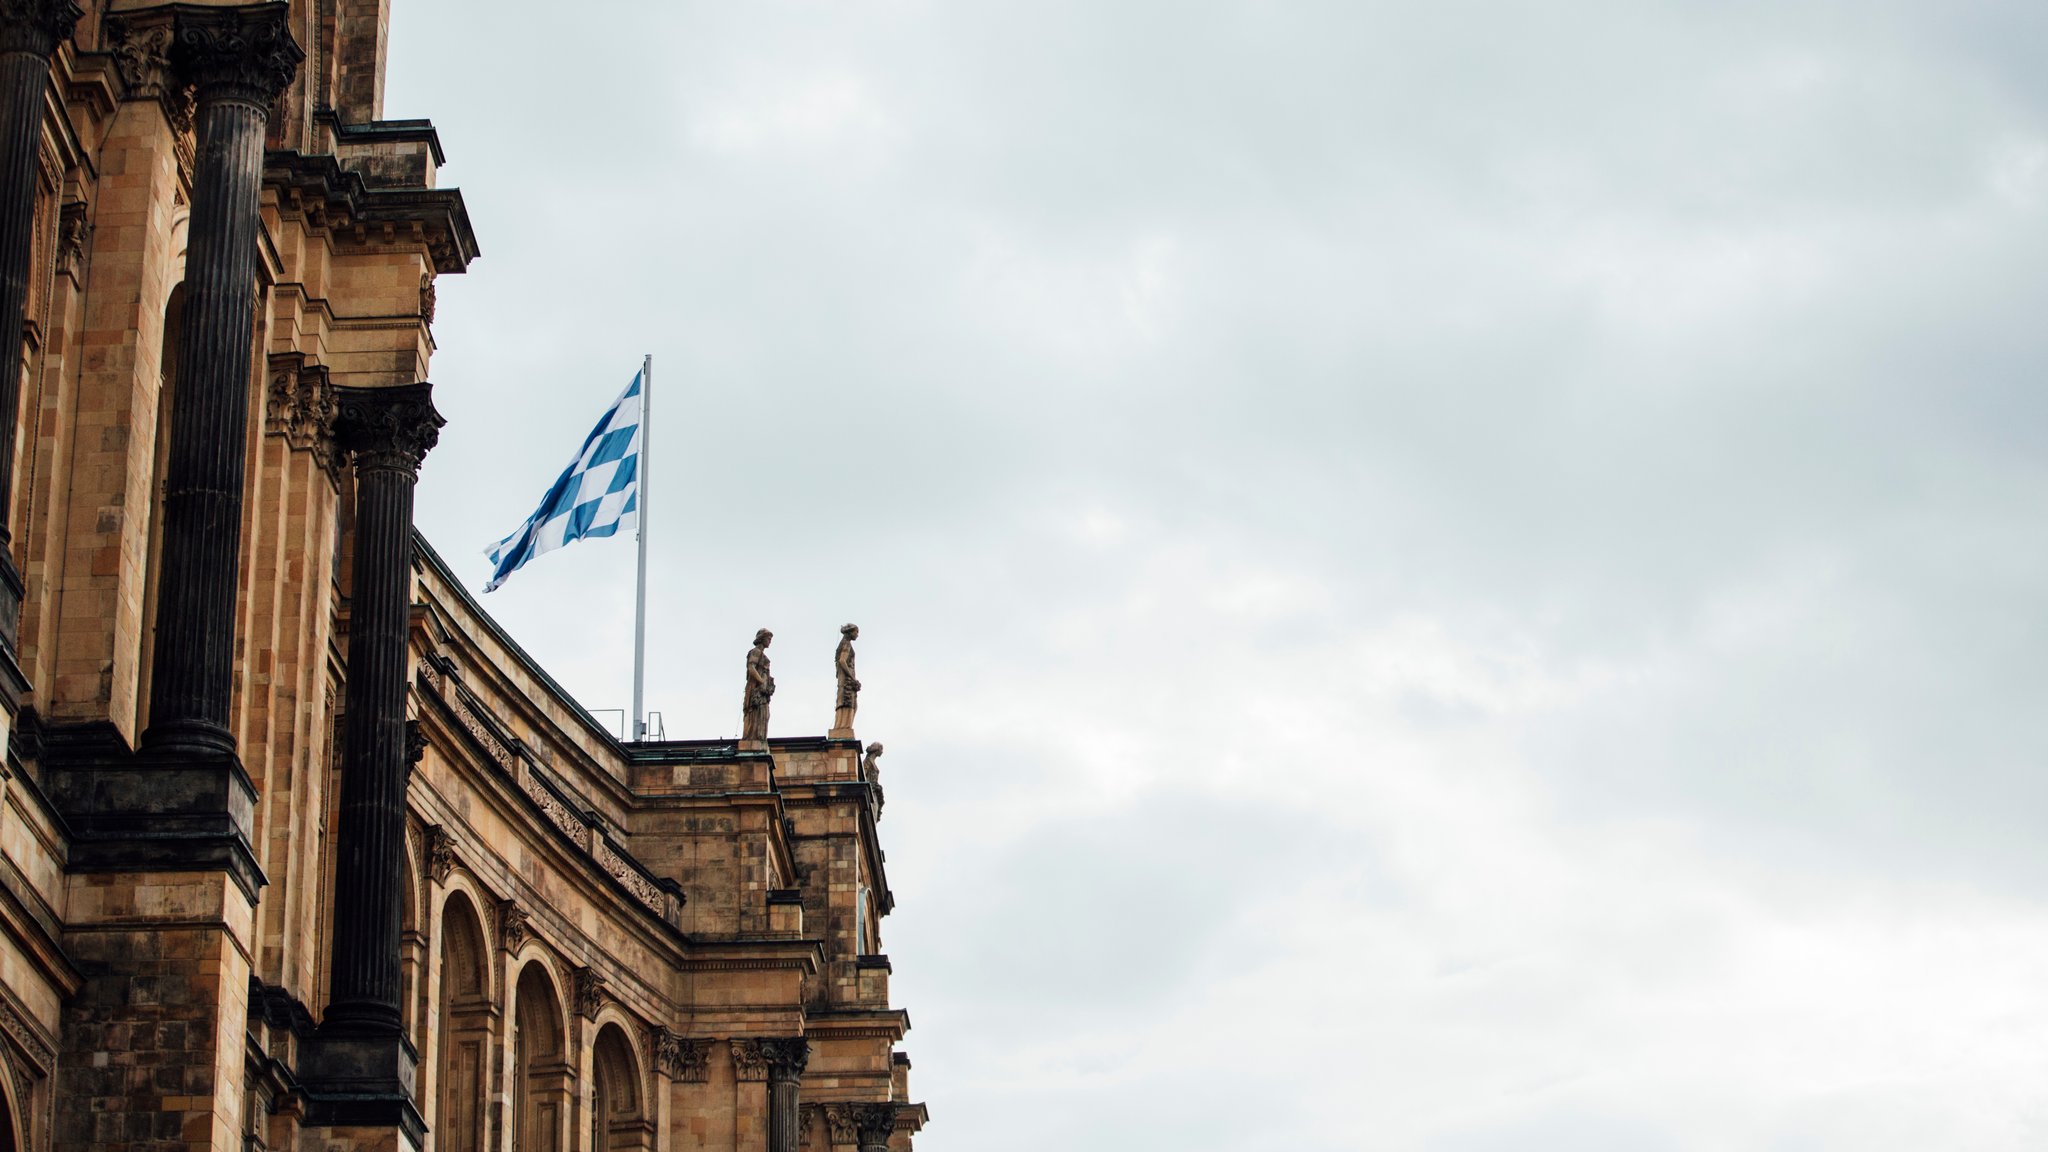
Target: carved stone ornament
(415,743)
(804,1118)
(241,54)
(681,1059)
(748,1063)
(427,299)
(512,926)
(874,1123)
(36,26)
(839,1124)
(786,1057)
(440,853)
(388,428)
(142,55)
(301,406)
(71,230)
(590,993)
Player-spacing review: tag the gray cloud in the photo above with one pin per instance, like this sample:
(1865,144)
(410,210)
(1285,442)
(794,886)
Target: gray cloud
(1436,576)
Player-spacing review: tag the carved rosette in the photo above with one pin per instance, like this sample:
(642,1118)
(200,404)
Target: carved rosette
(245,55)
(748,1061)
(301,407)
(387,429)
(590,993)
(786,1057)
(36,26)
(512,925)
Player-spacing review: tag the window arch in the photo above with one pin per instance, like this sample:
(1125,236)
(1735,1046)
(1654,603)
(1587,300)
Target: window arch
(541,1073)
(465,1029)
(618,1121)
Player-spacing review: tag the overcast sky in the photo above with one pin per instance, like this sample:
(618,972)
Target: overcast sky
(1435,575)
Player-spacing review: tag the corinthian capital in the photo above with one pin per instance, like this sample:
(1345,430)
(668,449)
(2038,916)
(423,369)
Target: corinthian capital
(387,428)
(36,26)
(244,54)
(786,1057)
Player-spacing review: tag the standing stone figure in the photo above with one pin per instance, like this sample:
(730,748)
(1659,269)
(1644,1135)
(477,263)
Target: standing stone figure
(760,686)
(868,767)
(849,688)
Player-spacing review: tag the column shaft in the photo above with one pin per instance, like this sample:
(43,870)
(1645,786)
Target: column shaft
(370,855)
(29,32)
(191,681)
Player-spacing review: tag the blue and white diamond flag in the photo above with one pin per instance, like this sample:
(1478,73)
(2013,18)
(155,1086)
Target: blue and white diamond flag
(597,495)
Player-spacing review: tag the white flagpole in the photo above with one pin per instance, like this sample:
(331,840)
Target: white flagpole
(639,726)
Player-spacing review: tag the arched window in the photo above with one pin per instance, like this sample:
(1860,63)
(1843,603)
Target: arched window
(465,1030)
(541,1074)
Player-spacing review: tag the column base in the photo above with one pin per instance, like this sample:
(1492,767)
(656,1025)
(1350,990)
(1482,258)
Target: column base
(361,1081)
(148,812)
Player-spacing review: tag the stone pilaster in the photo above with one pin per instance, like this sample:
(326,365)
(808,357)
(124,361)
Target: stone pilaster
(238,60)
(29,31)
(785,1059)
(361,1069)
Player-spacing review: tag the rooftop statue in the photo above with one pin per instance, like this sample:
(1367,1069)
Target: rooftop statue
(849,687)
(760,687)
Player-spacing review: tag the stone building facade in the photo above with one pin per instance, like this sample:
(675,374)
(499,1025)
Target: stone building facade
(297,849)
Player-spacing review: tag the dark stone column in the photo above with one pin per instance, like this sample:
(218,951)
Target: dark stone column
(786,1060)
(239,60)
(29,31)
(874,1123)
(360,1069)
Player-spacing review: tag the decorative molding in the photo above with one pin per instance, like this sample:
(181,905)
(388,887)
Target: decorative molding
(590,993)
(748,1062)
(27,1037)
(513,925)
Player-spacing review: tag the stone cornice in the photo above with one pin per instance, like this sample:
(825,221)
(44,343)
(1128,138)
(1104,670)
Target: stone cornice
(339,202)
